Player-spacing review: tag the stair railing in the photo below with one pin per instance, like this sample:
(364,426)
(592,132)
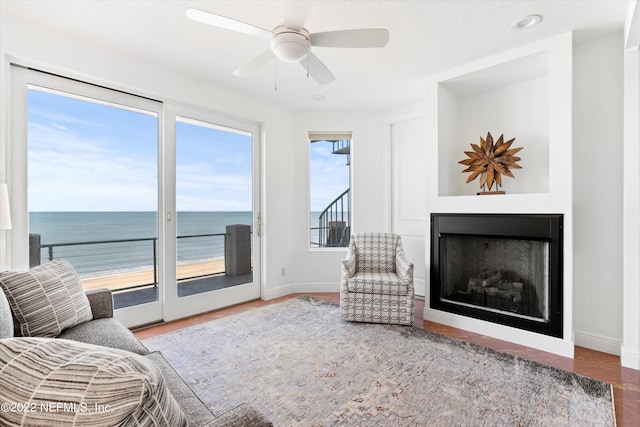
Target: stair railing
(333,222)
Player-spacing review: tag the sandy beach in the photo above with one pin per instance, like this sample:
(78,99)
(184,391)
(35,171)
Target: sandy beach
(136,278)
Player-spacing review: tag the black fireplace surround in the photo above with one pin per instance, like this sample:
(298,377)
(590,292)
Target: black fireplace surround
(536,302)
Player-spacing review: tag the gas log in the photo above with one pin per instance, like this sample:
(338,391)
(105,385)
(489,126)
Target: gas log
(492,289)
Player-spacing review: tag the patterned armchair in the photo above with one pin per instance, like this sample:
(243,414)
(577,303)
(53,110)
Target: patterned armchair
(377,281)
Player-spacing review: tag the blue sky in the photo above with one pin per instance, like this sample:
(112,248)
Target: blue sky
(87,156)
(213,169)
(329,175)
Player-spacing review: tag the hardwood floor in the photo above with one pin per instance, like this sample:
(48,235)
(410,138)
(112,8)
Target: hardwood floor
(605,367)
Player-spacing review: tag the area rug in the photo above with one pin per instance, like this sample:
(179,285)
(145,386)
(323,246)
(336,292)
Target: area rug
(302,365)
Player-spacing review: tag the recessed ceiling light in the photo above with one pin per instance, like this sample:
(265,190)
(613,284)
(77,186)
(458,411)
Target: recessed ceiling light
(526,22)
(319,98)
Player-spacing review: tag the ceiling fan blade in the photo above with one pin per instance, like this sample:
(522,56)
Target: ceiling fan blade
(255,64)
(226,23)
(317,70)
(374,37)
(295,13)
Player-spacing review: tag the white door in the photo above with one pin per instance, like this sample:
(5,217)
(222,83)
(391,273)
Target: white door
(408,193)
(211,223)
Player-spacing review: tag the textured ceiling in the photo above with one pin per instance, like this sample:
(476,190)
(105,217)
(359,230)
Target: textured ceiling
(426,37)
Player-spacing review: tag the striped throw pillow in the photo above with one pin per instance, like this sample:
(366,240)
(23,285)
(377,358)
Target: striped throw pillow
(57,382)
(46,300)
(6,319)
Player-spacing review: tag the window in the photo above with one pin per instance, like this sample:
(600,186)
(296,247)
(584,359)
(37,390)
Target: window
(329,179)
(93,189)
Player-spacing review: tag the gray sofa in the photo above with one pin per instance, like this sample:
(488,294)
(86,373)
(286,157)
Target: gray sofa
(106,336)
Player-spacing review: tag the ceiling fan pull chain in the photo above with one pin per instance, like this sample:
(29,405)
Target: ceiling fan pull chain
(275,75)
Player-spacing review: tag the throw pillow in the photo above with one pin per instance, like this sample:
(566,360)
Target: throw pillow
(6,319)
(57,382)
(46,299)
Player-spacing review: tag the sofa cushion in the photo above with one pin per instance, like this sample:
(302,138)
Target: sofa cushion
(106,332)
(6,319)
(46,300)
(65,383)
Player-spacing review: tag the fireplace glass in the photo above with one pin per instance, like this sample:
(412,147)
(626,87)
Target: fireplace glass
(508,276)
(500,268)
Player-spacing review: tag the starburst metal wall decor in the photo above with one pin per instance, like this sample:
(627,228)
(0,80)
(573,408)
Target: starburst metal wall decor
(490,161)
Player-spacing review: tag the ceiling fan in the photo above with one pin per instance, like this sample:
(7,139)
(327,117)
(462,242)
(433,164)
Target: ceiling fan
(291,42)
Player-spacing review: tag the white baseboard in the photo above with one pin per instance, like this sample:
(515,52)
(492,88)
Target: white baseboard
(630,359)
(597,342)
(293,288)
(419,285)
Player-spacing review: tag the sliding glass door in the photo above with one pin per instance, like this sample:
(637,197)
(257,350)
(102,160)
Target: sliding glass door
(153,201)
(216,243)
(86,161)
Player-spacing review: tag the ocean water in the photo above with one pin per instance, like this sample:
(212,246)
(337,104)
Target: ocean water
(105,242)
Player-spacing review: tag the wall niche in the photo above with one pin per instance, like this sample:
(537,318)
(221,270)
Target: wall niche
(510,98)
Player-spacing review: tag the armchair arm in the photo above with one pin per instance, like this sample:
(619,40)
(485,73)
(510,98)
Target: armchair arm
(349,263)
(404,268)
(101,302)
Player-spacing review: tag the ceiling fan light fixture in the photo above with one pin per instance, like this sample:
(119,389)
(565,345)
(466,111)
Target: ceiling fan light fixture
(290,45)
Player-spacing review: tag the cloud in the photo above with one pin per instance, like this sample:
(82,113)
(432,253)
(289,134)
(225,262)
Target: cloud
(201,187)
(214,169)
(54,118)
(85,156)
(71,173)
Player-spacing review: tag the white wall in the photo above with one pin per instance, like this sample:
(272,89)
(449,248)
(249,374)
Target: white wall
(630,351)
(318,270)
(597,193)
(527,122)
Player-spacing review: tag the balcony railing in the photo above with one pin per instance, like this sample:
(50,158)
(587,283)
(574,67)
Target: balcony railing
(108,257)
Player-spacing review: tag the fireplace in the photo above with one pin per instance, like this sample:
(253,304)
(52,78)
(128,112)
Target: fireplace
(501,268)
